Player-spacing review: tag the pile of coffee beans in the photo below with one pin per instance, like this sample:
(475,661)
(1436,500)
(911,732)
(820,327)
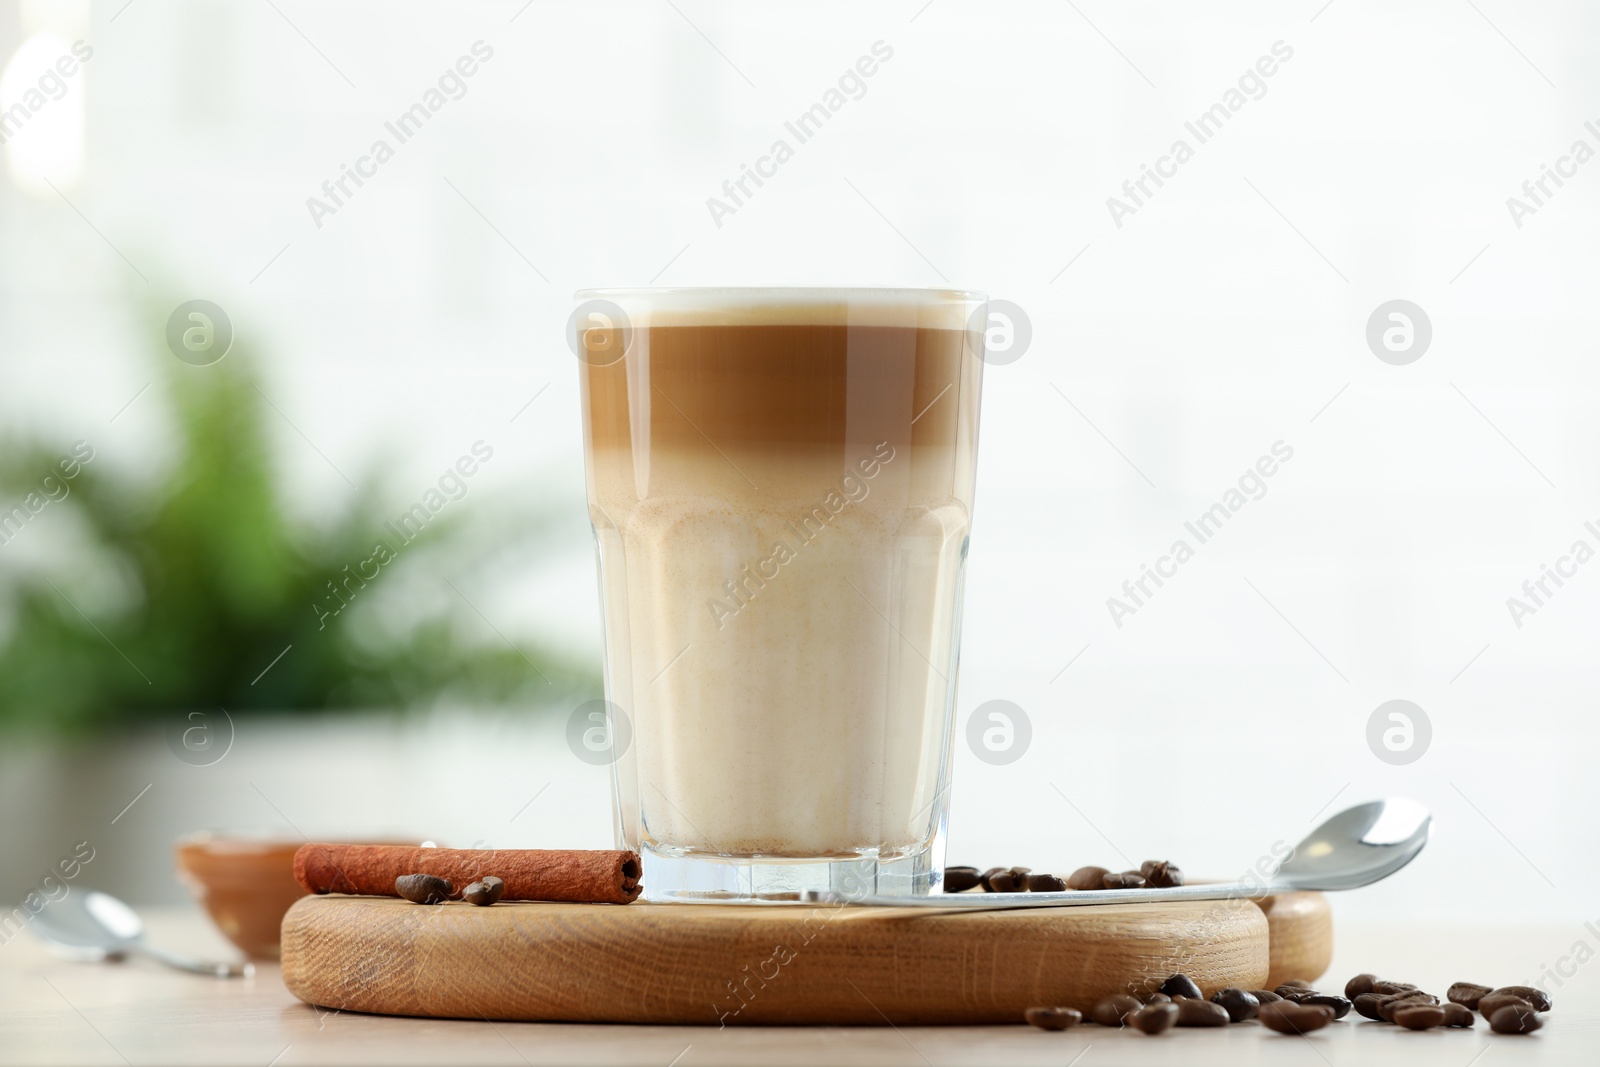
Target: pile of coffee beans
(430,889)
(1512,1009)
(1295,1007)
(1160,874)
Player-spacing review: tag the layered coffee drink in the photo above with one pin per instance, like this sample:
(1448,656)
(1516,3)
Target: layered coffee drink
(781,486)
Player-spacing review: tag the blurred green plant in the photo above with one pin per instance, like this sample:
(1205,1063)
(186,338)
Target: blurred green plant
(191,583)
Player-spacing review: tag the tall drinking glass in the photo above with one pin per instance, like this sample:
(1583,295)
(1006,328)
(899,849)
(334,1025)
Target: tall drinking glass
(781,483)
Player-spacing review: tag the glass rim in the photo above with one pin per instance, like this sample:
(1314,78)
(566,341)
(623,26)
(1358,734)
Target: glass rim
(798,294)
(782,305)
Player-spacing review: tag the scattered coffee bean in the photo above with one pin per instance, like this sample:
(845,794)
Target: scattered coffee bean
(1493,1002)
(1045,883)
(1296,983)
(1158,998)
(1053,1018)
(1013,880)
(1087,878)
(983,879)
(1361,983)
(1532,994)
(423,888)
(1419,1016)
(1181,985)
(484,892)
(1114,1009)
(1237,1003)
(1155,1017)
(1467,993)
(1387,987)
(1519,1018)
(1390,1004)
(961,879)
(1162,874)
(1265,996)
(1366,1005)
(1296,993)
(1287,1017)
(1192,1012)
(1458,1015)
(1124,880)
(1339,1005)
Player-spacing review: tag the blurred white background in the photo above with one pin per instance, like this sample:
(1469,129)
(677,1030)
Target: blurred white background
(1168,353)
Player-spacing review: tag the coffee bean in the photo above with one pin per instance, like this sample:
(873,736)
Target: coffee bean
(1014,880)
(1296,993)
(1087,878)
(1361,983)
(1467,993)
(1389,988)
(1045,883)
(1114,1009)
(1053,1018)
(1161,873)
(1265,996)
(1458,1015)
(484,892)
(1192,1012)
(1124,880)
(1532,994)
(961,879)
(1287,1017)
(1156,1017)
(1366,1005)
(1180,985)
(1490,1003)
(1339,1005)
(423,888)
(1237,1003)
(1296,983)
(983,879)
(1158,998)
(1390,1004)
(1419,1016)
(1520,1018)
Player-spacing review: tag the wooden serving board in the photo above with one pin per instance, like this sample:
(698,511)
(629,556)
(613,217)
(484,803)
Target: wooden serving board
(729,964)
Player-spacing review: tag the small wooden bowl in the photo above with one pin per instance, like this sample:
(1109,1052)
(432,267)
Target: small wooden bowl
(246,884)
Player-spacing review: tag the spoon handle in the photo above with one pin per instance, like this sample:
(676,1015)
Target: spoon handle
(1069,898)
(194,964)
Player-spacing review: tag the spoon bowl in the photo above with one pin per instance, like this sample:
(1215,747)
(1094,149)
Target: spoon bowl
(97,926)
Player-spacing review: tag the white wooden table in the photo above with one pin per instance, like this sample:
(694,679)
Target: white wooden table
(54,1011)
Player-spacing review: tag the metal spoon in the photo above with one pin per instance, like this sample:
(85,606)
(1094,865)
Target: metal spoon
(1356,847)
(97,926)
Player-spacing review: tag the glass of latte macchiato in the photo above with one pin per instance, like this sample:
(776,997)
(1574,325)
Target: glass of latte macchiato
(780,484)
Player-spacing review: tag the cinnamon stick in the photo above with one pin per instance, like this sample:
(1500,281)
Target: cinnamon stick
(575,875)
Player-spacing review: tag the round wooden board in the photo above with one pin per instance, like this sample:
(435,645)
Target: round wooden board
(723,964)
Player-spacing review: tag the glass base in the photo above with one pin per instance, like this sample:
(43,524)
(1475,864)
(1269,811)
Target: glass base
(710,878)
